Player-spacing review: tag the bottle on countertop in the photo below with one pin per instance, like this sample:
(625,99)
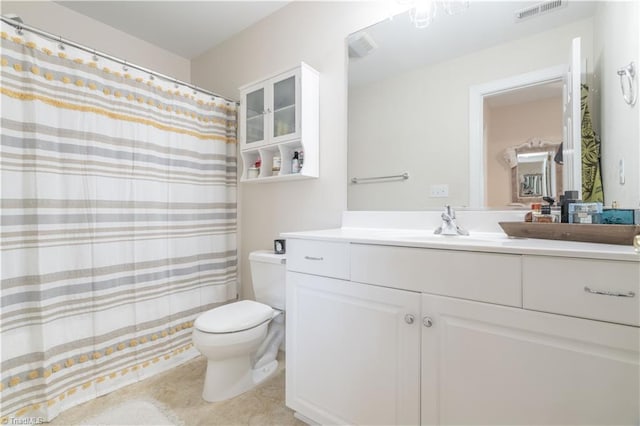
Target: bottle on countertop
(295,163)
(570,197)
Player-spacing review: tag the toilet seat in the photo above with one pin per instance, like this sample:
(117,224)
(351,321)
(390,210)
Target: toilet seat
(234,317)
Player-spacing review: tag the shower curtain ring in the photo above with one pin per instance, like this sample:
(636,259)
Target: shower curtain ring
(124,66)
(60,43)
(627,74)
(95,56)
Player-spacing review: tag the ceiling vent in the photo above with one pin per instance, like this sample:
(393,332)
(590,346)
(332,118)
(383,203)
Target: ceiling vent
(540,9)
(360,45)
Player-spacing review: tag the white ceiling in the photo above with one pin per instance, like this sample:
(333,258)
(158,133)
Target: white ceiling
(186,28)
(401,46)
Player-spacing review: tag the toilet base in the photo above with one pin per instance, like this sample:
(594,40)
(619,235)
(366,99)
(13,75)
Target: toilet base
(231,377)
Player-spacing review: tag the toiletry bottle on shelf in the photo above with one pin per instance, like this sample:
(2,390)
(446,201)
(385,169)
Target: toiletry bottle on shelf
(276,164)
(295,163)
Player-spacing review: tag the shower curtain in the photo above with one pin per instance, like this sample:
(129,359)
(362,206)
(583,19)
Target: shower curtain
(118,223)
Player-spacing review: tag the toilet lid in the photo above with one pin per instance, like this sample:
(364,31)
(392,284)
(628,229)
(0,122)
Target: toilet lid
(235,316)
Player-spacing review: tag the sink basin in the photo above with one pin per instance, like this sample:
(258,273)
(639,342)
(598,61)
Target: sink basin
(428,237)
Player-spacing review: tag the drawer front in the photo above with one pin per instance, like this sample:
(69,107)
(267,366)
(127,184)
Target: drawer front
(486,277)
(323,258)
(597,289)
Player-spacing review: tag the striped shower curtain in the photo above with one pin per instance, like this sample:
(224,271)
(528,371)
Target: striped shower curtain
(118,223)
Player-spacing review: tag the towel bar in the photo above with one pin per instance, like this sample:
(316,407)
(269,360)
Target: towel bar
(403,176)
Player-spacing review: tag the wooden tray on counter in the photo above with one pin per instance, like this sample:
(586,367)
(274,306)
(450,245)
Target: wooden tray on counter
(604,234)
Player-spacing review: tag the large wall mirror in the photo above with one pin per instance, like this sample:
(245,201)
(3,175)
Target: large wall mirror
(411,103)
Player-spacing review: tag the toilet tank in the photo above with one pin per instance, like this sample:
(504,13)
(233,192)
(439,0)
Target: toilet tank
(268,271)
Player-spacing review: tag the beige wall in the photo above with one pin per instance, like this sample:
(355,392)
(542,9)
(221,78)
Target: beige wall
(513,125)
(617,42)
(313,32)
(59,20)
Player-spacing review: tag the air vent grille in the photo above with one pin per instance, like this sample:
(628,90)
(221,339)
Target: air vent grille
(540,9)
(361,45)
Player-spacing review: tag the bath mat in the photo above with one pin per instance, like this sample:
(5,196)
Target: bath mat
(136,412)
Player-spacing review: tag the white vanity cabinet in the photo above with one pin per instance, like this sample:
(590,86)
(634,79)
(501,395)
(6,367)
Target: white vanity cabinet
(278,117)
(353,350)
(489,364)
(383,334)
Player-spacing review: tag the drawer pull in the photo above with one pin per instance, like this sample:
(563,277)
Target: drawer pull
(610,293)
(313,258)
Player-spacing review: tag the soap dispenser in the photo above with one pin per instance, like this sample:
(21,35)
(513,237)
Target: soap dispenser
(295,163)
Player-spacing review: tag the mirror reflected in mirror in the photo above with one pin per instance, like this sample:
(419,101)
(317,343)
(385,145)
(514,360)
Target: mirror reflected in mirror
(536,171)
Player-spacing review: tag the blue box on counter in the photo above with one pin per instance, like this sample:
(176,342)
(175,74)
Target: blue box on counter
(621,216)
(585,213)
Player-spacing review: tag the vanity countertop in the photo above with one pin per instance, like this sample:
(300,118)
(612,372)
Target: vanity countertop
(493,242)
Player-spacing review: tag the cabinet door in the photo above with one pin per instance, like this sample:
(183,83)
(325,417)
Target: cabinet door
(352,352)
(488,364)
(254,111)
(284,111)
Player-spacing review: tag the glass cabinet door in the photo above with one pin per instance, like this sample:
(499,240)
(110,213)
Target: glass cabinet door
(254,123)
(284,107)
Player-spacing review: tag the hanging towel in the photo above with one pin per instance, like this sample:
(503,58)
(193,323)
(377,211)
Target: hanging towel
(591,177)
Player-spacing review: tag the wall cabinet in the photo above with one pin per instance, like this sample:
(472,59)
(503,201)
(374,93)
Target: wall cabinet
(388,343)
(278,117)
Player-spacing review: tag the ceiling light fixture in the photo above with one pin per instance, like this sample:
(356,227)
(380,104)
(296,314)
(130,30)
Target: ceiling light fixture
(422,12)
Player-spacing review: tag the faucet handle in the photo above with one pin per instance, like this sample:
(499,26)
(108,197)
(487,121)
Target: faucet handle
(449,211)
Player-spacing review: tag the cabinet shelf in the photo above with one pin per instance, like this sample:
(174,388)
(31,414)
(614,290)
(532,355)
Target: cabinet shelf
(278,178)
(284,108)
(266,155)
(291,124)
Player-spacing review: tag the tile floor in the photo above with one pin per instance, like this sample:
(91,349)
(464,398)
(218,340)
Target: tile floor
(179,392)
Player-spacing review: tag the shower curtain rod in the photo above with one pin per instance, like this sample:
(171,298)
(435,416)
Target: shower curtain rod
(19,26)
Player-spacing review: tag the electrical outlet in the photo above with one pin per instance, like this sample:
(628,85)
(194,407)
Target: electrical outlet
(439,190)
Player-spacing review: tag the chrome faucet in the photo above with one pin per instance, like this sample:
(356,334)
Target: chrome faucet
(449,226)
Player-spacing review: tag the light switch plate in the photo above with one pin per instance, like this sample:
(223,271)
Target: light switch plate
(439,190)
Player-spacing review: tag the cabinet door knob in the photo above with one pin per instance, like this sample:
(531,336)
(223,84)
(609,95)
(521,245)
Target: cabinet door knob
(428,322)
(409,318)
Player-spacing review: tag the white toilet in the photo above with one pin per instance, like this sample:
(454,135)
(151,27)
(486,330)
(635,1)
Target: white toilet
(241,339)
